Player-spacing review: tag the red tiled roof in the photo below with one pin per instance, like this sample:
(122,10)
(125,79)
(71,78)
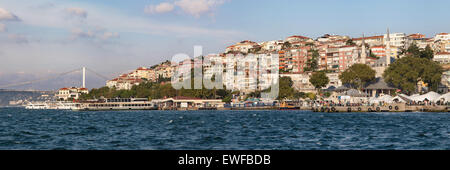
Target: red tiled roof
(298,36)
(142,68)
(416,35)
(443,53)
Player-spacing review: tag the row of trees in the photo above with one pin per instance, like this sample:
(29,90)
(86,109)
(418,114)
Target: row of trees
(403,73)
(157,91)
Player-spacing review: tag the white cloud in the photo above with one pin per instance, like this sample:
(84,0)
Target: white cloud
(160,8)
(80,33)
(75,11)
(95,34)
(7,16)
(18,38)
(2,27)
(198,7)
(108,35)
(95,39)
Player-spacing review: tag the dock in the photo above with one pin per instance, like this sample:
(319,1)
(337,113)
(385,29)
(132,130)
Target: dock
(400,107)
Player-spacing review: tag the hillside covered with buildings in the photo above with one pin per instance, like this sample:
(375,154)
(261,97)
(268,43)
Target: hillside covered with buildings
(300,57)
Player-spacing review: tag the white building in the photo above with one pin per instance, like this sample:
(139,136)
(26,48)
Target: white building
(442,57)
(333,80)
(301,82)
(442,37)
(243,47)
(297,38)
(124,82)
(71,93)
(275,45)
(396,40)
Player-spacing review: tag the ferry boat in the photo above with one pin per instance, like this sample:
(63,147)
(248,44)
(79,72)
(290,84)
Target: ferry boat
(115,104)
(50,105)
(62,105)
(37,106)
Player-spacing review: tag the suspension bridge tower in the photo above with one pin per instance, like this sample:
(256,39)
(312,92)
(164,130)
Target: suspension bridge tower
(84,77)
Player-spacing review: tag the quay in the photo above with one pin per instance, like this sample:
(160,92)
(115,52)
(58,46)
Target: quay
(398,107)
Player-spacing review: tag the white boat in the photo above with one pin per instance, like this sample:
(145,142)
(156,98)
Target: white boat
(37,106)
(63,105)
(116,104)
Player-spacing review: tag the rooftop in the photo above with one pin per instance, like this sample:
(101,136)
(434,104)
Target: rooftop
(379,84)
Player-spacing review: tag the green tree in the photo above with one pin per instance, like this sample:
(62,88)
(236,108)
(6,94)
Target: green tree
(357,75)
(312,63)
(371,54)
(286,45)
(285,88)
(405,72)
(413,50)
(319,80)
(350,42)
(427,53)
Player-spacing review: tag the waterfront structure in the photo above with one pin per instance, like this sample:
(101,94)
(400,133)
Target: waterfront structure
(71,93)
(445,83)
(378,88)
(187,103)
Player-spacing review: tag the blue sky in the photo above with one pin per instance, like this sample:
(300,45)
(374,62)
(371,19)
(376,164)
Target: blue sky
(114,36)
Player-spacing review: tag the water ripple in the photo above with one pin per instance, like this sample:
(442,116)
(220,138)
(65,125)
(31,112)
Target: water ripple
(298,130)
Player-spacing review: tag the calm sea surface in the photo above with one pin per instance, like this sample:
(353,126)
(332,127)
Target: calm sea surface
(221,130)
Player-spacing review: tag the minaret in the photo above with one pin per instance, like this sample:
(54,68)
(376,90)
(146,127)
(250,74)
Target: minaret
(388,48)
(363,51)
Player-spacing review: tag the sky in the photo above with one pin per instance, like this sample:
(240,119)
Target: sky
(45,37)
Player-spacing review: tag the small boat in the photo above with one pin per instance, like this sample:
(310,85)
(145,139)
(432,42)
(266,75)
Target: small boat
(288,106)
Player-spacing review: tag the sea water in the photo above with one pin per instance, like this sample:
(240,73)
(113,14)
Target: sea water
(221,130)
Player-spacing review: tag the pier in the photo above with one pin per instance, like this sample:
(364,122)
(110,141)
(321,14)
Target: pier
(398,107)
